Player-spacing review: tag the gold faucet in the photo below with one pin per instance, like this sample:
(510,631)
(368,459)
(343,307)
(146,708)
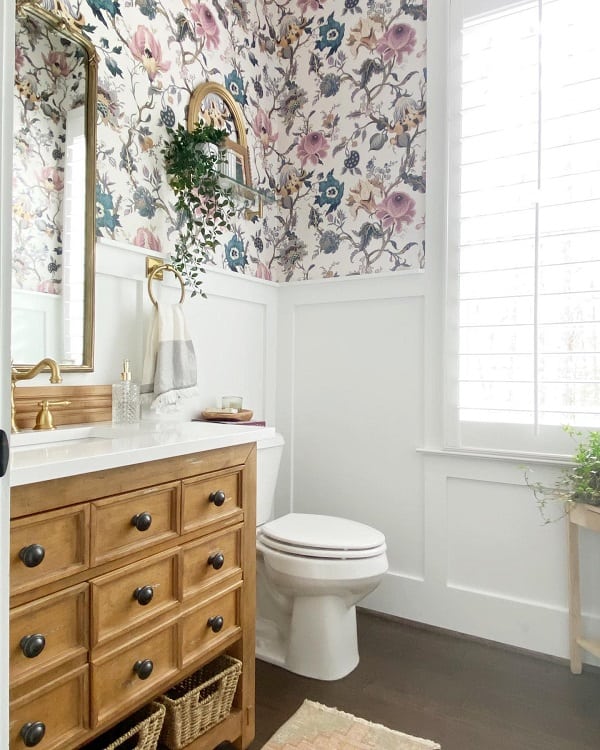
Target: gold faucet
(16,375)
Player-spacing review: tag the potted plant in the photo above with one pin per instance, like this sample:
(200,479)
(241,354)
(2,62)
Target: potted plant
(205,207)
(578,483)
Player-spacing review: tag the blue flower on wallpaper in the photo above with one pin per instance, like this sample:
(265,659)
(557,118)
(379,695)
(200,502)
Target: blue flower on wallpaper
(330,85)
(148,8)
(331,35)
(235,253)
(235,85)
(110,6)
(330,192)
(329,242)
(105,216)
(144,203)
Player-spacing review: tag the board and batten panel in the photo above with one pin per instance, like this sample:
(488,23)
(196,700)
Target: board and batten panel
(357,408)
(233,330)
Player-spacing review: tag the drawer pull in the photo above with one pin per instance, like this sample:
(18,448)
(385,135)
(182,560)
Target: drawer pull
(142,521)
(33,733)
(32,555)
(217,560)
(32,645)
(218,498)
(143,668)
(143,595)
(215,623)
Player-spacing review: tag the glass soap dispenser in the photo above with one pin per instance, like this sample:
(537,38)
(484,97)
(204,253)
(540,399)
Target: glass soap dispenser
(125,398)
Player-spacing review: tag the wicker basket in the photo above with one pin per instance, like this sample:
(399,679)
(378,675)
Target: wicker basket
(140,731)
(199,702)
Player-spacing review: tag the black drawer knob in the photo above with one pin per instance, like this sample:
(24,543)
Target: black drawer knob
(218,498)
(32,555)
(33,733)
(143,594)
(142,521)
(143,668)
(32,645)
(215,623)
(217,560)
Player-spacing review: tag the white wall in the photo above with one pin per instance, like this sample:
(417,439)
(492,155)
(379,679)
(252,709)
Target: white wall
(468,550)
(234,330)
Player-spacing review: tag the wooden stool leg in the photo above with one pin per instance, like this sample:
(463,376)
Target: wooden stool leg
(574,598)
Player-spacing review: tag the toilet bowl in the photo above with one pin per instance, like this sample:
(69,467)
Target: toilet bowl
(312,570)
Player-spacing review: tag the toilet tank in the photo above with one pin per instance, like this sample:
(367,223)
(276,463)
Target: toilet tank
(268,458)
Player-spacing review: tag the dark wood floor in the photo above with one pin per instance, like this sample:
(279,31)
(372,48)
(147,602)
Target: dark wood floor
(464,694)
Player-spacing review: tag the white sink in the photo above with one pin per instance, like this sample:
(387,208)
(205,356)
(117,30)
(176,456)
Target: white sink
(50,437)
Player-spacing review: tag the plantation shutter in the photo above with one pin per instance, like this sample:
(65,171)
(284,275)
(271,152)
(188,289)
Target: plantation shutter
(526,170)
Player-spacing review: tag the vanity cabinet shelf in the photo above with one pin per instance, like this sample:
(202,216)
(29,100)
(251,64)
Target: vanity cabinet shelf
(143,579)
(579,516)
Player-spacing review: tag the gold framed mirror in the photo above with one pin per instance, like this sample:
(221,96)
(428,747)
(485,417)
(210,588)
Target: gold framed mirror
(54,182)
(213,104)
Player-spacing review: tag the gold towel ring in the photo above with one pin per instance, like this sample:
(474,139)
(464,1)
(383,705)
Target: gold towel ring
(158,269)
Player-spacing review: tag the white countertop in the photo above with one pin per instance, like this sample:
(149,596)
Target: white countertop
(71,451)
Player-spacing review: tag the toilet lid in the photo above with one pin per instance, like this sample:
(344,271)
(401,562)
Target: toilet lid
(322,536)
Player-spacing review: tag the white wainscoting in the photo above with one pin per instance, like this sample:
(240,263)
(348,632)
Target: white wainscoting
(234,330)
(467,547)
(350,405)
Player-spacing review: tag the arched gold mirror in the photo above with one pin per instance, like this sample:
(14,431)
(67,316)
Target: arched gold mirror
(54,170)
(212,104)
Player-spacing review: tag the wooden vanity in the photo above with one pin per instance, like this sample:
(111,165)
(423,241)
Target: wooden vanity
(124,581)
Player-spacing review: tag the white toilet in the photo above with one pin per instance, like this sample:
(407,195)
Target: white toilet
(311,572)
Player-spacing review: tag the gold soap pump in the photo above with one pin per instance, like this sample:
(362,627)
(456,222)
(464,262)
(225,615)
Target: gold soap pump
(125,398)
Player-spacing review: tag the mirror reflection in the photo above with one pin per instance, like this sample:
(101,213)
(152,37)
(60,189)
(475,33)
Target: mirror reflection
(53,185)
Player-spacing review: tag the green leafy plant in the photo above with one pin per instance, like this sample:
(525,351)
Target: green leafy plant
(579,483)
(204,206)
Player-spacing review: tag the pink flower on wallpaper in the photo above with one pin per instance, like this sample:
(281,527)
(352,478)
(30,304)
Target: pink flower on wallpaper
(397,40)
(206,25)
(397,209)
(262,127)
(312,148)
(57,64)
(306,5)
(147,239)
(145,48)
(263,272)
(51,179)
(49,286)
(19,58)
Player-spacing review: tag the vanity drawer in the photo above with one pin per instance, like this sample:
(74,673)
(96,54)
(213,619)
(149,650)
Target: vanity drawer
(48,546)
(210,499)
(123,524)
(207,562)
(116,685)
(200,629)
(58,624)
(61,705)
(134,594)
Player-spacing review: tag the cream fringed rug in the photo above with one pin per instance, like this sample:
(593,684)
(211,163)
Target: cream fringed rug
(317,727)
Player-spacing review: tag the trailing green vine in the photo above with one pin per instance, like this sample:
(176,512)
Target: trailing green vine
(579,483)
(204,205)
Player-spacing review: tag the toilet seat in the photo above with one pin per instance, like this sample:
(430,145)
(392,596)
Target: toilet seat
(326,537)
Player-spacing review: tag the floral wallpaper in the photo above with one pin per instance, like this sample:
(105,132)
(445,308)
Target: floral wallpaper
(49,82)
(334,97)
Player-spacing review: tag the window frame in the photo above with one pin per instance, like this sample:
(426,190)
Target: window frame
(445,427)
